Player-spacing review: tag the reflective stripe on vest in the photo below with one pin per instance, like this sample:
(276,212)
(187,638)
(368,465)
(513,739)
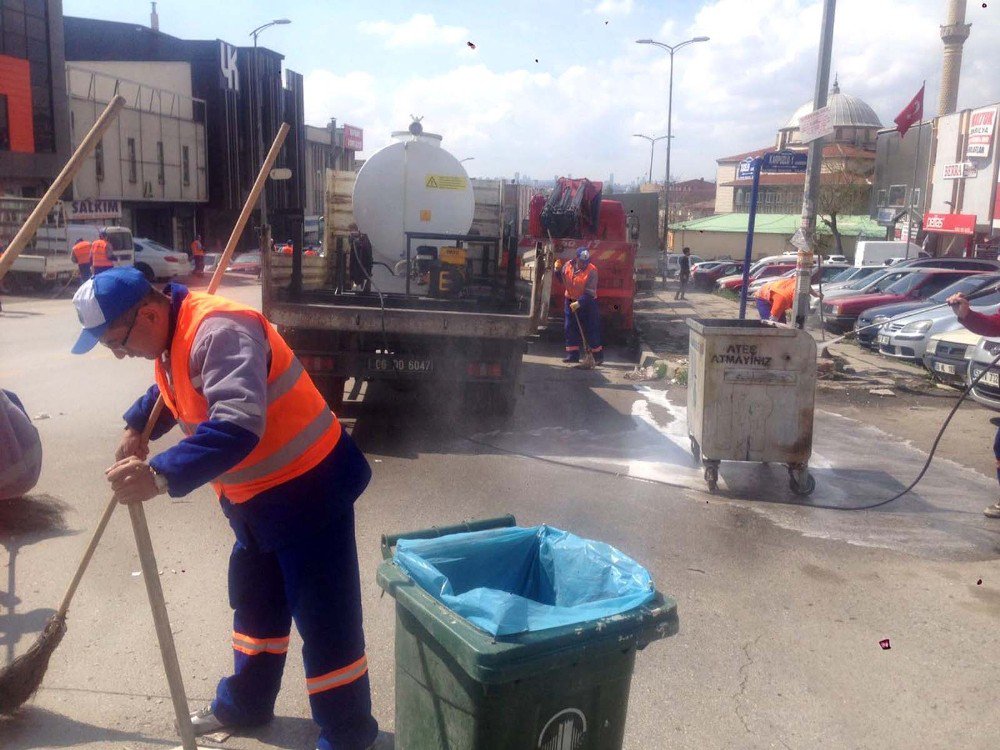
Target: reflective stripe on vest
(99,254)
(81,252)
(576,281)
(300,430)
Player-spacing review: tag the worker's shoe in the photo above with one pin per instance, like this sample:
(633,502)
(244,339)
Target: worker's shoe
(572,358)
(205,721)
(598,358)
(993,511)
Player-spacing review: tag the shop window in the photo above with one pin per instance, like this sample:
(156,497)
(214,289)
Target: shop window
(881,200)
(99,160)
(133,172)
(161,175)
(897,196)
(915,197)
(185,166)
(4,124)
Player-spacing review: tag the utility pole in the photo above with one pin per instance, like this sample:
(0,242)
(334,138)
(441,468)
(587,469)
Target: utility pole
(805,238)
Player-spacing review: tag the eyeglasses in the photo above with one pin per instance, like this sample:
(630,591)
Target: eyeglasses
(121,345)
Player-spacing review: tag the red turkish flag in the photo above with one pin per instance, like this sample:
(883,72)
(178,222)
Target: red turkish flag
(911,114)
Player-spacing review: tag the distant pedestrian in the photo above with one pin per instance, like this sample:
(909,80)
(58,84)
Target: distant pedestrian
(198,256)
(580,278)
(361,262)
(102,256)
(82,252)
(984,325)
(20,448)
(683,272)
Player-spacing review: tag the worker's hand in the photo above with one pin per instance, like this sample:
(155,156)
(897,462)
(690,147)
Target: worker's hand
(959,304)
(132,444)
(132,480)
(574,306)
(558,264)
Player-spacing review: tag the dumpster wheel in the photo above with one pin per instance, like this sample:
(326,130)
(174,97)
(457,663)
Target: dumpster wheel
(800,481)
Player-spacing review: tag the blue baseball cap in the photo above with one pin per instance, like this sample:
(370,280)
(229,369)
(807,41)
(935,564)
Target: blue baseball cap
(583,253)
(103,299)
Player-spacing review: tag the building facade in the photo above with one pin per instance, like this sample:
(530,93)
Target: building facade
(149,171)
(34,118)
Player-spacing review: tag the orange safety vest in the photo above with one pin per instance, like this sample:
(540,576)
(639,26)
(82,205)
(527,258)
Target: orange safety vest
(99,254)
(300,430)
(286,250)
(196,248)
(576,281)
(81,252)
(781,295)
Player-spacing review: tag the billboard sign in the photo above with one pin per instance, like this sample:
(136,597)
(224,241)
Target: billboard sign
(95,208)
(745,169)
(354,138)
(982,124)
(950,223)
(959,171)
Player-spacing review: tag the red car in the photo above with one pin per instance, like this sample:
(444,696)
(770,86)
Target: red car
(705,275)
(840,314)
(735,283)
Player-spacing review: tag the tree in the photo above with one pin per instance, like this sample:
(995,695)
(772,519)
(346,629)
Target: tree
(845,188)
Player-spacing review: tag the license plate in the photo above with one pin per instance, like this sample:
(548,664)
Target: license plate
(400,365)
(945,368)
(991,378)
(883,339)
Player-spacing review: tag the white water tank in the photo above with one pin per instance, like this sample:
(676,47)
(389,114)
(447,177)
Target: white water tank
(412,185)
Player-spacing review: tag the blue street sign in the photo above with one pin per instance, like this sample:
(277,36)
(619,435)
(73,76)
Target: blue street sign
(785,161)
(745,170)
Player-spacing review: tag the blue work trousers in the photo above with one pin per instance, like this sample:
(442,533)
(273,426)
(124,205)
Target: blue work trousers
(590,319)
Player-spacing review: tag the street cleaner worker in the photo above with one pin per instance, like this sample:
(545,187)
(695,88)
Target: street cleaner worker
(984,325)
(81,256)
(287,476)
(580,279)
(776,298)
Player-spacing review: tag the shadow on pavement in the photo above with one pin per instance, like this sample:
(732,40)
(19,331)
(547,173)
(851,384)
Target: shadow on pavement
(24,521)
(35,728)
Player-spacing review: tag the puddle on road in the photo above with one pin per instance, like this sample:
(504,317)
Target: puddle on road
(854,464)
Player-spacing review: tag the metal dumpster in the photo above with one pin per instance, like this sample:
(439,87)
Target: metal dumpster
(460,688)
(751,396)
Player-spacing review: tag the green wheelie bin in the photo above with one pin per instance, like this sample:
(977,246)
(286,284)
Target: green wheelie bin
(459,687)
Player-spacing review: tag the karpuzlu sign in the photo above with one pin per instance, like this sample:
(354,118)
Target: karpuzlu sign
(982,123)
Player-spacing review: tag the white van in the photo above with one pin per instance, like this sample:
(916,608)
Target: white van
(876,253)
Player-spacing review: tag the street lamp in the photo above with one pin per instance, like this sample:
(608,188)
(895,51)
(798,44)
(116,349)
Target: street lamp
(670,103)
(652,143)
(259,141)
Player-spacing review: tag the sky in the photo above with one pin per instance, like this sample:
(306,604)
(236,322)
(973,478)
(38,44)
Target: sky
(556,87)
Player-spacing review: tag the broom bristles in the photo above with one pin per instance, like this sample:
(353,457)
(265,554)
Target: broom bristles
(20,679)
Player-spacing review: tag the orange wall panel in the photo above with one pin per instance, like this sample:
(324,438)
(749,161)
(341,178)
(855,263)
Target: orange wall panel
(15,83)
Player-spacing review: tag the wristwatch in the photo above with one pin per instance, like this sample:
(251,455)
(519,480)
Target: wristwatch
(160,480)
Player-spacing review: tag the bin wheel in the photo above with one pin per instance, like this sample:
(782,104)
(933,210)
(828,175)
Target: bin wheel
(801,482)
(695,449)
(712,477)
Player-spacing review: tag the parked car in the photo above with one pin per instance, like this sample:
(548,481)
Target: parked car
(987,391)
(670,264)
(875,283)
(962,264)
(826,271)
(158,261)
(882,313)
(770,271)
(248,262)
(841,313)
(948,354)
(835,259)
(908,340)
(705,277)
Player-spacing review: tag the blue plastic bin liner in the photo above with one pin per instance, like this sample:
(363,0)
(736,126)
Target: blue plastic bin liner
(522,580)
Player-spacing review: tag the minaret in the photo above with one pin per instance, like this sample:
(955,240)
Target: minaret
(154,20)
(953,34)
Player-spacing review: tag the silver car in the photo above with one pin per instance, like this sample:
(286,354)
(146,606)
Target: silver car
(987,390)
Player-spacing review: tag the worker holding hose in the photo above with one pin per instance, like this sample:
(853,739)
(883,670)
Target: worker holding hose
(984,325)
(287,476)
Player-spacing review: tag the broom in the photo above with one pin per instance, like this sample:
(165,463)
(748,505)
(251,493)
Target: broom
(22,677)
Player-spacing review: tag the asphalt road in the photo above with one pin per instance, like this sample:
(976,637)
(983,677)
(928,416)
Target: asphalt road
(782,605)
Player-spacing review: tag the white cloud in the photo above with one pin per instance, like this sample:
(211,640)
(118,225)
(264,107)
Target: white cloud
(612,8)
(730,95)
(421,30)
